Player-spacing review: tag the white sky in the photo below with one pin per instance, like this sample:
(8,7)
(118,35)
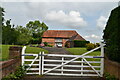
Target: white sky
(87,18)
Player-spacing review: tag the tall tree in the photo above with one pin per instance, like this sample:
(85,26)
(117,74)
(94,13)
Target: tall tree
(9,34)
(36,29)
(1,22)
(1,15)
(24,36)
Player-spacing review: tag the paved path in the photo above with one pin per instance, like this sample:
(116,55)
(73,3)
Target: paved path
(59,78)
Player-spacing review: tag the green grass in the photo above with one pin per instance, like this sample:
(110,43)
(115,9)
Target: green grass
(5,51)
(35,50)
(80,51)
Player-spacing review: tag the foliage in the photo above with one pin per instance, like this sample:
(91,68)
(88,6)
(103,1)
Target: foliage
(32,33)
(109,77)
(50,45)
(17,75)
(1,15)
(36,40)
(24,36)
(90,46)
(97,44)
(45,43)
(9,34)
(36,30)
(111,35)
(79,43)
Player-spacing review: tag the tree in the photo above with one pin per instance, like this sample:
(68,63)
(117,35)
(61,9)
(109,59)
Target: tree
(112,35)
(36,30)
(1,22)
(24,36)
(9,34)
(1,15)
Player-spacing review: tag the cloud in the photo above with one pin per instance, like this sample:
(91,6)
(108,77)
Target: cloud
(72,19)
(59,1)
(93,38)
(101,22)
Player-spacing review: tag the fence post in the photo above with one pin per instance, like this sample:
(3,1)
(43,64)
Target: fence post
(82,67)
(42,68)
(23,57)
(62,66)
(40,63)
(102,59)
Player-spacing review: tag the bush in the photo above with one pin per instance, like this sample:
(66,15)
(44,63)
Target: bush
(109,77)
(17,75)
(36,41)
(45,43)
(78,43)
(97,44)
(49,45)
(90,46)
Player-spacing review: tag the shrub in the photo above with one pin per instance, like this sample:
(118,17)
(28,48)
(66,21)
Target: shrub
(17,75)
(97,44)
(36,41)
(109,77)
(49,45)
(90,46)
(78,43)
(45,43)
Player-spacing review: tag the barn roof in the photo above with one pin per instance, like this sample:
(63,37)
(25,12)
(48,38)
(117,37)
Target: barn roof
(62,34)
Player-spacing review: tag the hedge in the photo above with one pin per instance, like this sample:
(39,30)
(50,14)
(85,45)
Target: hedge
(79,43)
(112,35)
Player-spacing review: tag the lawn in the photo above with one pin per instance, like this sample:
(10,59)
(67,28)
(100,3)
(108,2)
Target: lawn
(80,51)
(5,51)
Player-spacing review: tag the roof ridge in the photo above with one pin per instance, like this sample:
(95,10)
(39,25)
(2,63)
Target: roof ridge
(61,30)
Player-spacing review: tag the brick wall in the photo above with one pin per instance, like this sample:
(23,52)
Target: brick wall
(14,61)
(50,41)
(64,42)
(112,67)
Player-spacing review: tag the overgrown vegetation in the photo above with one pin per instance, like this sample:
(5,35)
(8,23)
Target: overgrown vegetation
(109,77)
(17,75)
(91,46)
(112,35)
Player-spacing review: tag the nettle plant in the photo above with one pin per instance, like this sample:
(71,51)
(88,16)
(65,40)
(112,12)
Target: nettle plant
(17,75)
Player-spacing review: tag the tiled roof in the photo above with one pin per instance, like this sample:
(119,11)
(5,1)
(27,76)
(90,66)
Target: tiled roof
(62,34)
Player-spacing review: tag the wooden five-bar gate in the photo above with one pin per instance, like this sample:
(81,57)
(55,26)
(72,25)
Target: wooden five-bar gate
(65,65)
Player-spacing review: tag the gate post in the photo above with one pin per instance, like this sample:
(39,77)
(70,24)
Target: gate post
(40,63)
(23,57)
(102,59)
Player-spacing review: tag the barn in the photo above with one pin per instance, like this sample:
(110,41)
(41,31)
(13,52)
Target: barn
(61,37)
